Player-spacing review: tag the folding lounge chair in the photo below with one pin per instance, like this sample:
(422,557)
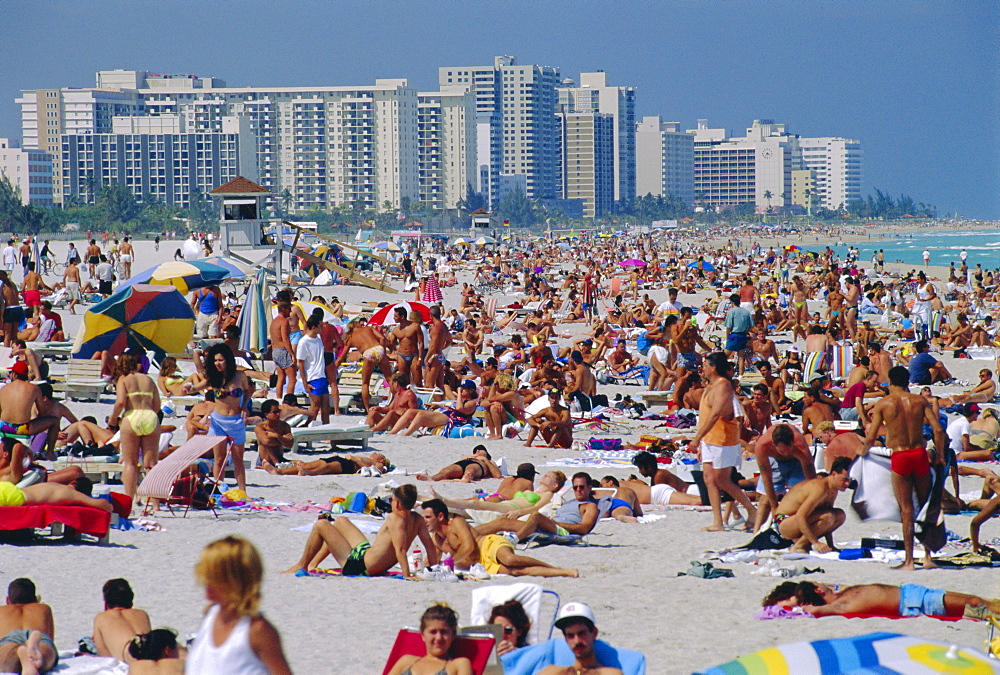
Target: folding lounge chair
(477,648)
(530,595)
(842,361)
(159,482)
(338,434)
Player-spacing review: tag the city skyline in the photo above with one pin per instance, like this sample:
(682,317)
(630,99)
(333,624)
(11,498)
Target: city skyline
(915,82)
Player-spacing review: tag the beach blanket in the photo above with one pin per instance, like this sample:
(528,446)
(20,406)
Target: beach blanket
(88,665)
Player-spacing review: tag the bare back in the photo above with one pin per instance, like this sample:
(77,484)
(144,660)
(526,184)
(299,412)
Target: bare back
(903,415)
(29,616)
(382,555)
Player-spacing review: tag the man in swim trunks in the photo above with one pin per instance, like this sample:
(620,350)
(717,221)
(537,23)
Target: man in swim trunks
(359,557)
(908,600)
(784,461)
(282,351)
(312,368)
(409,341)
(439,339)
(20,406)
(371,343)
(664,487)
(625,503)
(904,415)
(27,629)
(554,423)
(477,466)
(738,323)
(125,252)
(574,517)
(274,435)
(450,534)
(807,513)
(31,288)
(71,279)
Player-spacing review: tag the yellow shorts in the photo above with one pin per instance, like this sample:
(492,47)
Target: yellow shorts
(488,547)
(10,494)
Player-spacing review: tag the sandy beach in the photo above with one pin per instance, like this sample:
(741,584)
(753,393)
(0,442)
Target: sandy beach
(628,572)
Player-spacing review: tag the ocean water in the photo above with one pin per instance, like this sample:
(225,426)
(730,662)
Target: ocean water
(983,247)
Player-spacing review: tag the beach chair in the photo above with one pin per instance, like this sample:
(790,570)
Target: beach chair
(83,380)
(336,434)
(841,361)
(476,647)
(426,395)
(634,375)
(159,482)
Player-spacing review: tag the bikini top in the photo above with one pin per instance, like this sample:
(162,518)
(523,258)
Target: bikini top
(235,392)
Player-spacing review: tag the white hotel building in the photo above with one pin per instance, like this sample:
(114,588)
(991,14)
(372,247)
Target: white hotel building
(326,145)
(835,166)
(664,160)
(29,171)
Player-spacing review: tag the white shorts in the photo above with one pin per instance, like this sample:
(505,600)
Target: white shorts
(206,325)
(660,494)
(73,290)
(126,257)
(721,456)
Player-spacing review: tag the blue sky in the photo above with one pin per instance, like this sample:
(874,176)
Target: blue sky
(917,82)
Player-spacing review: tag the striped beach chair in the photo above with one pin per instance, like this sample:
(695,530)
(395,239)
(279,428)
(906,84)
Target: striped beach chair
(159,482)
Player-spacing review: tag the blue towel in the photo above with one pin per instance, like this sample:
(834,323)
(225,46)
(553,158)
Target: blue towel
(531,659)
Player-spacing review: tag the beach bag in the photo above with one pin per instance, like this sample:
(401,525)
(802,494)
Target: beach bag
(356,502)
(605,444)
(767,540)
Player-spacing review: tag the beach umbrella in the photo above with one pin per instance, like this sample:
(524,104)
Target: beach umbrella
(705,265)
(185,275)
(237,269)
(432,292)
(155,318)
(253,321)
(871,653)
(385,316)
(482,241)
(387,246)
(632,262)
(461,241)
(307,307)
(793,247)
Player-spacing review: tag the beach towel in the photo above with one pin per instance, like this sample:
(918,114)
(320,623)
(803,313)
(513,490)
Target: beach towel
(529,595)
(531,659)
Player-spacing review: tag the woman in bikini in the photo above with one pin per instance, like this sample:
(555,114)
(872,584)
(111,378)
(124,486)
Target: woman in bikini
(331,466)
(136,412)
(172,382)
(502,403)
(459,415)
(438,627)
(228,417)
(522,503)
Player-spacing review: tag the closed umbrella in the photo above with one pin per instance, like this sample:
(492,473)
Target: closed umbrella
(253,321)
(185,275)
(155,318)
(385,316)
(872,653)
(432,292)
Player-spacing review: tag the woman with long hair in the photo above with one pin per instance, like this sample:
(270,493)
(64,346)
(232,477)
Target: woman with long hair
(438,628)
(228,418)
(137,414)
(234,637)
(515,622)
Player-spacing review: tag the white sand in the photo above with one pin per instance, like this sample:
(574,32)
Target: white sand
(337,625)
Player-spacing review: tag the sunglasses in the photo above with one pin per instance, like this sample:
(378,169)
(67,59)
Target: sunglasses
(580,487)
(508,630)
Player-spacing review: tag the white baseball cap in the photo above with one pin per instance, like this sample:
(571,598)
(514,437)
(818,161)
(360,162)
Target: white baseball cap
(575,610)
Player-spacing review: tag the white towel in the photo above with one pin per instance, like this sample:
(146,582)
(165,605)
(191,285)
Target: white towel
(529,595)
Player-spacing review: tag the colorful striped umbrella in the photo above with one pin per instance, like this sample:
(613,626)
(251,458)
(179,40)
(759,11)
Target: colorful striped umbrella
(461,241)
(253,321)
(432,292)
(186,275)
(155,318)
(386,315)
(387,246)
(884,653)
(237,269)
(485,240)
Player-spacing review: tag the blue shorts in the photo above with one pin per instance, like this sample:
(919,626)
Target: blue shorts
(736,342)
(295,337)
(19,637)
(320,387)
(785,473)
(232,426)
(687,360)
(917,600)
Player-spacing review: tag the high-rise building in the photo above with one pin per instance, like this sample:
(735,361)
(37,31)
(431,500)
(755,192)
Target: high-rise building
(803,188)
(156,156)
(594,95)
(836,167)
(664,160)
(446,129)
(517,126)
(47,114)
(326,146)
(752,169)
(588,166)
(29,171)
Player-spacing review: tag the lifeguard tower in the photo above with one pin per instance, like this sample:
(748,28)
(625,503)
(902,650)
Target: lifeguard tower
(242,226)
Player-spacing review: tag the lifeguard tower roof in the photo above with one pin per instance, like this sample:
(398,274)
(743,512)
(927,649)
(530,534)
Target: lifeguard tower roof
(240,186)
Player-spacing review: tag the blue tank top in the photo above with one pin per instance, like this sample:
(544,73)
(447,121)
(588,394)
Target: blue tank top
(209,304)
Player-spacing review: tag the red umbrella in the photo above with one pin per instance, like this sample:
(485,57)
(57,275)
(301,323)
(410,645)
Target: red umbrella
(432,292)
(386,317)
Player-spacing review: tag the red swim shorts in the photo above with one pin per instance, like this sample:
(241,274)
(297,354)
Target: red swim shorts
(32,298)
(907,462)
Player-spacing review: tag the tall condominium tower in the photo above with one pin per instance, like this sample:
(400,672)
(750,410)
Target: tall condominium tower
(516,123)
(664,160)
(835,164)
(594,95)
(446,128)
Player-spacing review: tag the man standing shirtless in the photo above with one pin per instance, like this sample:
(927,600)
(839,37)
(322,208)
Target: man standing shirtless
(282,351)
(409,340)
(71,279)
(126,252)
(115,627)
(93,257)
(28,630)
(359,557)
(371,343)
(31,288)
(904,415)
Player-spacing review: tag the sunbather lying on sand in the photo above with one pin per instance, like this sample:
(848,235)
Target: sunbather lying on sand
(327,466)
(880,600)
